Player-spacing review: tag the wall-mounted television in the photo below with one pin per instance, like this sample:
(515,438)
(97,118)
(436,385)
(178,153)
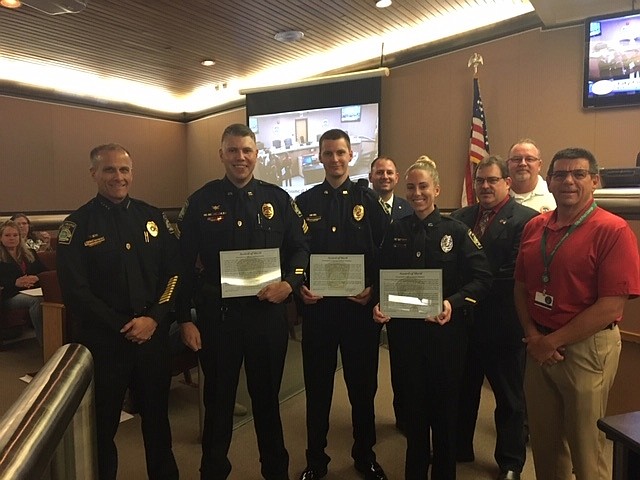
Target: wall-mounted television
(350,113)
(292,120)
(612,60)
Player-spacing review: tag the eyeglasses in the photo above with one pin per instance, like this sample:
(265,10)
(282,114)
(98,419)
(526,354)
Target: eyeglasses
(578,174)
(490,180)
(518,159)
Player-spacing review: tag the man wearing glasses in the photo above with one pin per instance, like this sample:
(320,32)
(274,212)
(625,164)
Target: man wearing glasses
(576,269)
(495,348)
(527,186)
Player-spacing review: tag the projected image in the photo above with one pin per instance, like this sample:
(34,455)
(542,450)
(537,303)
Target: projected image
(288,143)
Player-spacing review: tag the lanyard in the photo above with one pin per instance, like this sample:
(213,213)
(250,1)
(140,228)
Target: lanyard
(546,277)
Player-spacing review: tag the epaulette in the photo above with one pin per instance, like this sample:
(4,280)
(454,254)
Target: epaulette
(267,184)
(141,203)
(211,183)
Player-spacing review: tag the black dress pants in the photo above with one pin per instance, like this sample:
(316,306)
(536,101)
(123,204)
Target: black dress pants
(145,369)
(330,324)
(431,357)
(503,365)
(256,332)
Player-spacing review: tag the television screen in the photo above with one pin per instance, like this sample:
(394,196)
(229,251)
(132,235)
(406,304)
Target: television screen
(288,133)
(307,160)
(292,121)
(612,61)
(350,113)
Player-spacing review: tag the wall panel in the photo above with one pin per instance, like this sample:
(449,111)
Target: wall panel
(44,155)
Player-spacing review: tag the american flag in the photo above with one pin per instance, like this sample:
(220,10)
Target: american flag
(478,145)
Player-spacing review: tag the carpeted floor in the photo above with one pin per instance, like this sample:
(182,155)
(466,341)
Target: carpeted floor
(25,356)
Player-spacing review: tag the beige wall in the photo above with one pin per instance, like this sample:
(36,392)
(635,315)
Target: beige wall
(530,85)
(44,155)
(203,143)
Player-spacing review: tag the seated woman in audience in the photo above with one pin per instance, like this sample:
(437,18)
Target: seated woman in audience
(38,241)
(430,351)
(19,267)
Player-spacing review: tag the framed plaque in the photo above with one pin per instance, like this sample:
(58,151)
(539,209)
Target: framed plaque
(336,275)
(411,293)
(244,272)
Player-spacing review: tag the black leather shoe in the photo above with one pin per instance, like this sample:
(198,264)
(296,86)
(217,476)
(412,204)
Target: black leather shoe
(313,474)
(509,475)
(371,471)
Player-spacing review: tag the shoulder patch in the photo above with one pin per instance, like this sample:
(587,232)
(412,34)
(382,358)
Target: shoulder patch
(294,205)
(474,239)
(184,210)
(65,232)
(172,230)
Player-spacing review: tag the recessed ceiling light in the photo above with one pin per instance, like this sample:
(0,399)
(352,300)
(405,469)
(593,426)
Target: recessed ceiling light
(383,3)
(11,3)
(289,36)
(208,63)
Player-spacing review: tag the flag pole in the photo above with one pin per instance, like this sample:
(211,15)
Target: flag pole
(478,143)
(475,60)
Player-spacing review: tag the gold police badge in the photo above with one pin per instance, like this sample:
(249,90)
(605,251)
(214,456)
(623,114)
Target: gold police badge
(267,211)
(446,243)
(358,212)
(152,228)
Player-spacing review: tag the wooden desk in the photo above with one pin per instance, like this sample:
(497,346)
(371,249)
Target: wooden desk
(624,431)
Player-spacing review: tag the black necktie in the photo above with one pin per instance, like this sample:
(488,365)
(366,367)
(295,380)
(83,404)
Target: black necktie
(483,223)
(131,261)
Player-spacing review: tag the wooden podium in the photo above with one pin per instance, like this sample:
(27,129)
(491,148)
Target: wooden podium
(53,329)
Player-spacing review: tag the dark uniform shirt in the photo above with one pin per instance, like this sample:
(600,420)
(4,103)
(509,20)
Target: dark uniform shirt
(116,262)
(349,219)
(443,243)
(221,217)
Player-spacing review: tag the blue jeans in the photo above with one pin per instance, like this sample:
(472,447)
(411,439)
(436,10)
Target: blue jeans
(22,300)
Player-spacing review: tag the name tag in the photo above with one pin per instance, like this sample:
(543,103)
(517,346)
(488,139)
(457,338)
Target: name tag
(543,300)
(92,242)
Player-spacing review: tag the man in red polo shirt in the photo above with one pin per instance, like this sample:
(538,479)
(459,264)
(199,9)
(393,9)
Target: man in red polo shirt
(576,269)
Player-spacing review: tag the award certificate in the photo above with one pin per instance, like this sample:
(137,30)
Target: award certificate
(244,272)
(336,275)
(411,293)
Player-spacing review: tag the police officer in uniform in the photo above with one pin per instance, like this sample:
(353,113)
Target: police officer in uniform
(348,218)
(431,353)
(239,212)
(118,265)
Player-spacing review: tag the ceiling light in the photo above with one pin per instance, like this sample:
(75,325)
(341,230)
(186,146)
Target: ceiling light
(208,62)
(11,3)
(383,3)
(289,36)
